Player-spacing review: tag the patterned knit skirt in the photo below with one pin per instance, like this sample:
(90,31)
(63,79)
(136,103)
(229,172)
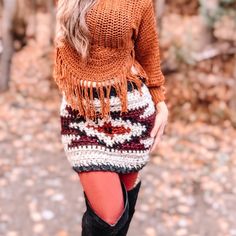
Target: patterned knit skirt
(120,144)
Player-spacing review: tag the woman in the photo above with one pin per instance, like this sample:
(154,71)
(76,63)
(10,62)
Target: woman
(113,113)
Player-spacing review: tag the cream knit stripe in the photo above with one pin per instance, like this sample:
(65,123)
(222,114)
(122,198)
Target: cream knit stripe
(135,100)
(94,157)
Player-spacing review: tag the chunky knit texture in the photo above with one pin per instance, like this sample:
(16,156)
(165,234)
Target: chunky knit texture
(124,46)
(121,144)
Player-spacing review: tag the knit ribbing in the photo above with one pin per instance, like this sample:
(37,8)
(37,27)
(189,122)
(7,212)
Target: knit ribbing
(123,34)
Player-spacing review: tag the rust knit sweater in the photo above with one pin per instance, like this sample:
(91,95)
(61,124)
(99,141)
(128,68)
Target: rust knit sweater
(123,34)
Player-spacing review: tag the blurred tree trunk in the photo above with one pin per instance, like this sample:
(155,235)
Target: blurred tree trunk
(159,9)
(16,17)
(52,11)
(9,11)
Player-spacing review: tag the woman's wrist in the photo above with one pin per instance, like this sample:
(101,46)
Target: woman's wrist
(161,106)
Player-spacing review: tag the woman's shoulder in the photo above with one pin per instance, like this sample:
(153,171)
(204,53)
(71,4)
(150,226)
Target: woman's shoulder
(140,8)
(143,4)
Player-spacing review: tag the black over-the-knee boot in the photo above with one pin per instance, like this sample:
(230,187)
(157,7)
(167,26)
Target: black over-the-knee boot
(93,225)
(132,197)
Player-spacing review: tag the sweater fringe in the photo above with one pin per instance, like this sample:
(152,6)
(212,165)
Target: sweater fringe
(79,94)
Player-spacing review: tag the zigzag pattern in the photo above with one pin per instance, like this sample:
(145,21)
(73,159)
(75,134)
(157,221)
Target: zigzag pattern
(121,143)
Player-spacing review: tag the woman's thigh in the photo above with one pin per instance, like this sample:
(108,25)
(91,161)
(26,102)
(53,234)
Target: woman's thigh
(129,179)
(104,192)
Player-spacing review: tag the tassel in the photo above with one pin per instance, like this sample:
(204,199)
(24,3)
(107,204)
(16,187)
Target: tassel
(79,99)
(87,102)
(76,90)
(91,99)
(101,92)
(108,91)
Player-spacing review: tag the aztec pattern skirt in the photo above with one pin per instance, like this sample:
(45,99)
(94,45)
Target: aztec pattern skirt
(121,144)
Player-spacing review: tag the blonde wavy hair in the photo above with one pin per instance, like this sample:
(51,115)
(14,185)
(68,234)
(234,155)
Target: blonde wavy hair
(71,24)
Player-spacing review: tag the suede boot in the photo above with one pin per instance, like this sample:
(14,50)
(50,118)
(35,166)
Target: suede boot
(132,197)
(93,225)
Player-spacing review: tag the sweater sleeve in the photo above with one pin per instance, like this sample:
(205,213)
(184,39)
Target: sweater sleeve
(148,55)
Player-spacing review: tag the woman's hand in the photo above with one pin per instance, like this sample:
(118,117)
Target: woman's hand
(160,123)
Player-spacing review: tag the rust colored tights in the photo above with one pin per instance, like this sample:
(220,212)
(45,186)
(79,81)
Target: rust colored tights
(96,185)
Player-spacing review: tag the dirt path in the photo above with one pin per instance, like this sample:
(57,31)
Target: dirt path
(188,188)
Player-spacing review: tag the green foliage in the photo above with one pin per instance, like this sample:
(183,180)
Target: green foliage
(213,10)
(227,1)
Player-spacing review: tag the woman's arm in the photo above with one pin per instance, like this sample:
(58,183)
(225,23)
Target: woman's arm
(148,55)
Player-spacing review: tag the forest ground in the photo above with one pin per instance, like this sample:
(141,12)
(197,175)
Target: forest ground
(188,186)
